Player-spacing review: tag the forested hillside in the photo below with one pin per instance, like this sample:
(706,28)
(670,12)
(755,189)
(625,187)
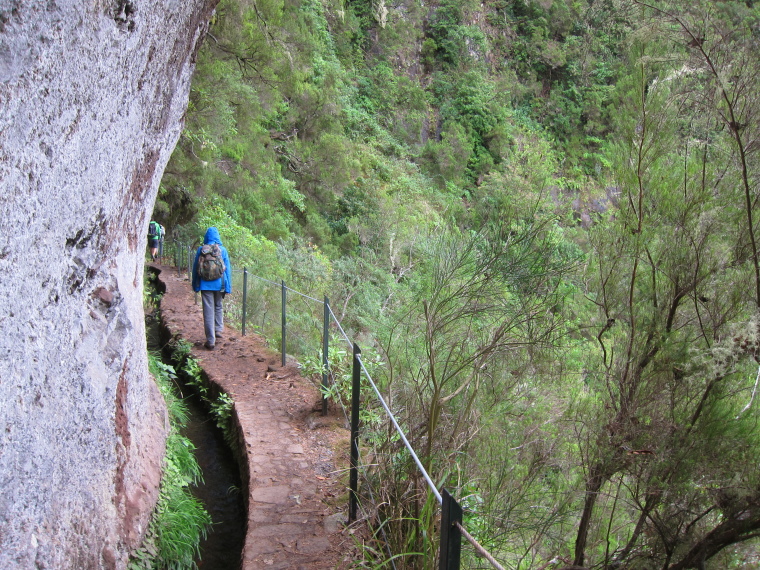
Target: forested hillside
(541,218)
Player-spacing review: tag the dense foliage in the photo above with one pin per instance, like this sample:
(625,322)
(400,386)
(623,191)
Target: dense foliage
(541,217)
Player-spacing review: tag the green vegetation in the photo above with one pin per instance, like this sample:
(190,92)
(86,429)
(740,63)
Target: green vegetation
(219,404)
(179,521)
(539,218)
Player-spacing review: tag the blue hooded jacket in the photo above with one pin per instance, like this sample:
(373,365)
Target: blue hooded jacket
(224,283)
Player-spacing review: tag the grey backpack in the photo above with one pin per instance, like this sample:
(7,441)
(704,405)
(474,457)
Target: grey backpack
(210,264)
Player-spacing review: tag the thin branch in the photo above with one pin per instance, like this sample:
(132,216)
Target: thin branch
(752,398)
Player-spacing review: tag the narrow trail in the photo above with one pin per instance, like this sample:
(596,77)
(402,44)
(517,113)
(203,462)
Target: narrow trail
(294,458)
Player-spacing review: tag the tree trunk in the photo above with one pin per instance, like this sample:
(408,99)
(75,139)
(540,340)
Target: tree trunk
(593,486)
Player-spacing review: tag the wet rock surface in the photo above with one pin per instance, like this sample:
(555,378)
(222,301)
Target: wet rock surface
(92,97)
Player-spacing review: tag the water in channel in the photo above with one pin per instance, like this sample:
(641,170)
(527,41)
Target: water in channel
(220,492)
(221,488)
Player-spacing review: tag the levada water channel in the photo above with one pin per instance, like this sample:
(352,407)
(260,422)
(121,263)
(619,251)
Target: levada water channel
(221,488)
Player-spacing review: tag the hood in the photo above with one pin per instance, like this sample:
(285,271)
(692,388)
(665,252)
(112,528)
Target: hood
(212,236)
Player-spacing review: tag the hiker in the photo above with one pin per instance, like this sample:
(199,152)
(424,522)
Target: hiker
(162,229)
(154,234)
(212,276)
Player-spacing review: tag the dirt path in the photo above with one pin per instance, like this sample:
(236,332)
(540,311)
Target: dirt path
(295,457)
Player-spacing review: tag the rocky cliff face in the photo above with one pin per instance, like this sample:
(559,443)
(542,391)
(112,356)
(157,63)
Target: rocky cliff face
(92,95)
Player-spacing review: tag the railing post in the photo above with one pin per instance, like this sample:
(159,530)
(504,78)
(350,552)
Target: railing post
(190,260)
(284,328)
(354,473)
(245,294)
(325,352)
(451,538)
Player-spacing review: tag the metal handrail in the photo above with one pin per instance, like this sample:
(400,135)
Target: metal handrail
(403,437)
(452,531)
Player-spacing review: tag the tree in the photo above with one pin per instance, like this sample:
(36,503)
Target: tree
(722,57)
(487,296)
(668,480)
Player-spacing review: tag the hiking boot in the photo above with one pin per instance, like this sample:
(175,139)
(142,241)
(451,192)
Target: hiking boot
(208,345)
(218,335)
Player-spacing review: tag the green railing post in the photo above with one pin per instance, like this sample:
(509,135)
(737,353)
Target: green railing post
(354,466)
(245,294)
(325,352)
(451,537)
(284,328)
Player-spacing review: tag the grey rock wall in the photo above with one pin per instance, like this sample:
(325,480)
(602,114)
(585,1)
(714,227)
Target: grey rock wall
(92,94)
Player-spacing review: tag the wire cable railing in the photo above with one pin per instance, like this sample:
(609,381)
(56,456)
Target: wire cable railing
(402,435)
(452,529)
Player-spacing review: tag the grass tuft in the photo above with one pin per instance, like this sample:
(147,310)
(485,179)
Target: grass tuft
(179,521)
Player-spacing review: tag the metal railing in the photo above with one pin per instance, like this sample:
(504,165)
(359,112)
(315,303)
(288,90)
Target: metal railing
(264,301)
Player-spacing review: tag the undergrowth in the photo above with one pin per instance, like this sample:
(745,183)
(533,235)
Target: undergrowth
(179,521)
(220,406)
